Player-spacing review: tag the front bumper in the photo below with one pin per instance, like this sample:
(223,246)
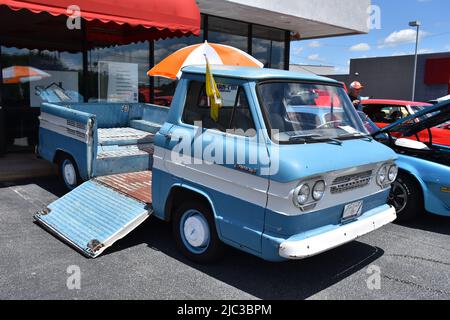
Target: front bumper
(324,240)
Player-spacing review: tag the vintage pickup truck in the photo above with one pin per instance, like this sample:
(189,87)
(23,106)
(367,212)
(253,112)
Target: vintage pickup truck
(280,174)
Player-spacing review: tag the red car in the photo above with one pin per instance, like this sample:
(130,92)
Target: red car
(386,112)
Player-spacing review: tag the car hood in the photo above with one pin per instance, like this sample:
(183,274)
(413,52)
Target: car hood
(429,118)
(305,160)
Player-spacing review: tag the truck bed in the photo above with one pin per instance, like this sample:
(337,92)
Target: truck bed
(137,185)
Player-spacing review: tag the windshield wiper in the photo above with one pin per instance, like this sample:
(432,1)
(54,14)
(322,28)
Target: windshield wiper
(313,138)
(355,135)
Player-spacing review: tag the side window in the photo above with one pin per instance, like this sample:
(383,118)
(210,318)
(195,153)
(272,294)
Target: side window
(393,114)
(234,115)
(385,114)
(377,113)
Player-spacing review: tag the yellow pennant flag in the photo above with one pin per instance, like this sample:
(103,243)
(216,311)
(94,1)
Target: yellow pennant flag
(213,93)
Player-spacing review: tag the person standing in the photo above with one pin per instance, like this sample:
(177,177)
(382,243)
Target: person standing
(355,94)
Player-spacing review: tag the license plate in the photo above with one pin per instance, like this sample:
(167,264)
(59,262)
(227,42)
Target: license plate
(352,210)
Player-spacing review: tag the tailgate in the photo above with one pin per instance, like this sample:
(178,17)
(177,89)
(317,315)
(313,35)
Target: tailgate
(98,213)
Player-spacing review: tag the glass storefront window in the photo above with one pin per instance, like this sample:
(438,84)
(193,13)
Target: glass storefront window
(229,32)
(164,89)
(119,73)
(268,46)
(31,77)
(41,61)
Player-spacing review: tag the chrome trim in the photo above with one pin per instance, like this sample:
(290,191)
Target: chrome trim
(280,196)
(90,148)
(321,242)
(351,182)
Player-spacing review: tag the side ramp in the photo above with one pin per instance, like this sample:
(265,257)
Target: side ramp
(99,212)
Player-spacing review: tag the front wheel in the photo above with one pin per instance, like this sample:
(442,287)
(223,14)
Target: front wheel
(406,197)
(195,233)
(69,172)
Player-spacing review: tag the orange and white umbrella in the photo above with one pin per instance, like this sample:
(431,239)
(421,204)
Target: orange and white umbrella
(171,66)
(22,74)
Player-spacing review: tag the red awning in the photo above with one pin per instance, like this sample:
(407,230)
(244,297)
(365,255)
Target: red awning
(171,18)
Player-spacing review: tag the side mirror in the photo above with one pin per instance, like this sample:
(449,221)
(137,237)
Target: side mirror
(411,144)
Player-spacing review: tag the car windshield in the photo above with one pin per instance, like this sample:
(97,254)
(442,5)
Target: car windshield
(307,113)
(420,108)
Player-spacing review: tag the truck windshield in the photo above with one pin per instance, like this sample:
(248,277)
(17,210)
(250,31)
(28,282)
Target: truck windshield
(309,113)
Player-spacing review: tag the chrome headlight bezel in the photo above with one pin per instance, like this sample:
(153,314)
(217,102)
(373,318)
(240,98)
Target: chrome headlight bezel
(392,173)
(386,174)
(321,192)
(303,196)
(302,190)
(382,175)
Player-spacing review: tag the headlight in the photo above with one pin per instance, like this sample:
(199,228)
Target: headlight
(302,194)
(382,175)
(393,171)
(318,190)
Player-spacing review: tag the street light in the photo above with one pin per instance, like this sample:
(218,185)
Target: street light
(416,24)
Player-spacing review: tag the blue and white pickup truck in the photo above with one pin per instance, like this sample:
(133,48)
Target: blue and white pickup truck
(287,171)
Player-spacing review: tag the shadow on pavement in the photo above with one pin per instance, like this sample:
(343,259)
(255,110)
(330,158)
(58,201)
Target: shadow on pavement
(431,223)
(289,280)
(51,184)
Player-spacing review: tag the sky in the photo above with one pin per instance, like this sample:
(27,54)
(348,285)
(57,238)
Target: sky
(394,37)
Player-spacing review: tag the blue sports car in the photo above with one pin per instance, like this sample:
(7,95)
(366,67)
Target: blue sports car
(423,182)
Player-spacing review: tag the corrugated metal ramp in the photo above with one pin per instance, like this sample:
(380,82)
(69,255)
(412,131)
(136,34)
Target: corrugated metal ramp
(99,212)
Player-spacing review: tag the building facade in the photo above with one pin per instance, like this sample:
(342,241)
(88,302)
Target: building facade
(82,64)
(319,70)
(392,77)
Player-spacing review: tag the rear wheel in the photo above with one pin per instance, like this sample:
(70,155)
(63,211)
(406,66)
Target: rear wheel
(406,197)
(68,172)
(195,233)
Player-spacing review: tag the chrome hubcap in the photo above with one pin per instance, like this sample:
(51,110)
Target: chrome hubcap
(196,231)
(69,173)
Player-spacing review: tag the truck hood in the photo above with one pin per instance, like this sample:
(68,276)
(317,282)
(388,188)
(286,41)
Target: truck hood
(428,118)
(299,161)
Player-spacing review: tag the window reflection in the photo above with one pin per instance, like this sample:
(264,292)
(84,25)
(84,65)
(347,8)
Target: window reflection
(164,89)
(228,32)
(119,73)
(268,46)
(41,61)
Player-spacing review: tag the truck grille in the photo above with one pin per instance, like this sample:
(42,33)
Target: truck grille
(351,182)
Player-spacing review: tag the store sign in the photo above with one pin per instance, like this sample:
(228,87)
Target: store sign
(118,81)
(58,87)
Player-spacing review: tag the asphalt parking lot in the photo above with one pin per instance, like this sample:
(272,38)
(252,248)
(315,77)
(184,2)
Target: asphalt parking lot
(413,262)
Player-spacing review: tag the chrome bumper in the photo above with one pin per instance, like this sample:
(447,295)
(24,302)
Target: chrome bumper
(370,221)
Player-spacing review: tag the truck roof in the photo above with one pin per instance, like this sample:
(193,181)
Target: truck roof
(255,73)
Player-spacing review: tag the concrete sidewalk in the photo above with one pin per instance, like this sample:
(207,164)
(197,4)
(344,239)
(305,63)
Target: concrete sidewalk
(17,166)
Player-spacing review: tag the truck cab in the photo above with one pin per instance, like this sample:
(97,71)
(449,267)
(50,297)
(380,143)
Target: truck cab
(286,171)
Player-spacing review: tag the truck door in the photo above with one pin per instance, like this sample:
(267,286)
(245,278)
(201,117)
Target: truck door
(222,159)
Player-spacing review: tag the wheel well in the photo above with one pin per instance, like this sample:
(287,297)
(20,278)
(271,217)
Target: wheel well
(59,154)
(179,195)
(413,178)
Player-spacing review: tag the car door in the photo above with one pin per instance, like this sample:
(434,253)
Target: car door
(221,162)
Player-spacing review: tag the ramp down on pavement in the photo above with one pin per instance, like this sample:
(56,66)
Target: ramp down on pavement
(100,211)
